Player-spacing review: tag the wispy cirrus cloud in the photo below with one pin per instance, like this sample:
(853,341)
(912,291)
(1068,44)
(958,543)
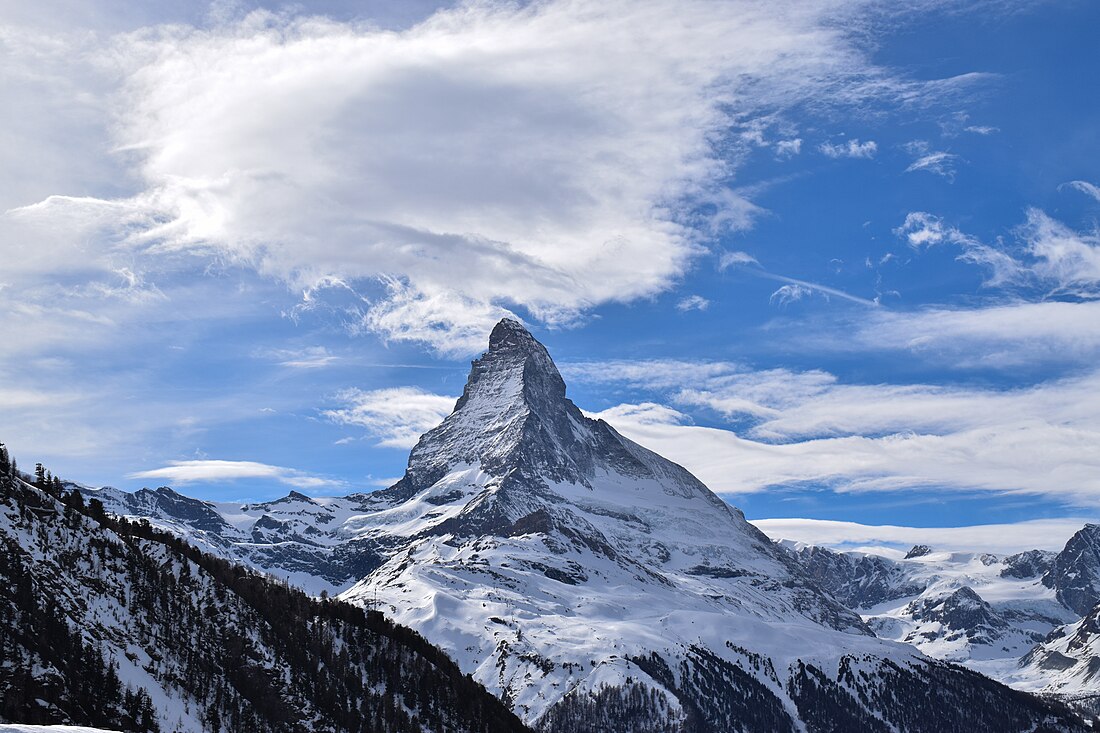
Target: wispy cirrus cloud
(310,357)
(1089,189)
(787,294)
(396,416)
(794,289)
(788,148)
(1051,258)
(938,162)
(692,303)
(792,427)
(851,149)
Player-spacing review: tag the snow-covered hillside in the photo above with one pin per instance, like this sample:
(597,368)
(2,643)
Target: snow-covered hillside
(592,584)
(119,626)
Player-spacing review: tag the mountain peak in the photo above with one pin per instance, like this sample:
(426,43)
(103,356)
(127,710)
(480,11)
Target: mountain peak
(510,333)
(516,368)
(515,423)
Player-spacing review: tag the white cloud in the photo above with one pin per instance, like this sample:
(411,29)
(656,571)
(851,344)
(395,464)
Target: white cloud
(852,149)
(311,357)
(1086,188)
(649,373)
(397,416)
(731,259)
(981,129)
(788,148)
(1001,539)
(788,294)
(1028,457)
(922,229)
(803,427)
(1063,260)
(494,156)
(794,289)
(938,162)
(209,471)
(693,303)
(1001,336)
(1052,257)
(797,289)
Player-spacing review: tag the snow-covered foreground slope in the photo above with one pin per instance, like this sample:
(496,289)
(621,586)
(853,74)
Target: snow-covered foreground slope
(592,584)
(1067,662)
(119,626)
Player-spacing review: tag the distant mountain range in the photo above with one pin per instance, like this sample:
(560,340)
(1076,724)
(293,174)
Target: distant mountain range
(592,585)
(1017,618)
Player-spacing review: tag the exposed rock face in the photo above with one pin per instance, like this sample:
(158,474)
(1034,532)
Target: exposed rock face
(1075,572)
(296,536)
(918,551)
(858,580)
(961,611)
(1030,564)
(975,609)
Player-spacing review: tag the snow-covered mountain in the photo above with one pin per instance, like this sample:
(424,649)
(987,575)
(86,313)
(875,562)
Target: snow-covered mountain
(1074,574)
(120,626)
(1015,618)
(592,584)
(312,542)
(959,606)
(1067,663)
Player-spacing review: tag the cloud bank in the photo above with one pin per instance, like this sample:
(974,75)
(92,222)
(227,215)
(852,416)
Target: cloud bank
(1003,539)
(810,428)
(549,157)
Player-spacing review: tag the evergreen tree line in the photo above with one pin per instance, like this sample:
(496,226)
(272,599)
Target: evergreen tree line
(43,658)
(243,651)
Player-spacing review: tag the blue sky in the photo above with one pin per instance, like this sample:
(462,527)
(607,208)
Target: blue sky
(840,259)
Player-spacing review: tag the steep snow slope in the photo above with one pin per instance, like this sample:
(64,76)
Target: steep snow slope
(1067,662)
